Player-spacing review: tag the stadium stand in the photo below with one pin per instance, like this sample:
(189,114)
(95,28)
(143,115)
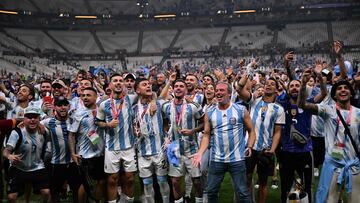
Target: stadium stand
(156,41)
(303,34)
(347,31)
(114,40)
(199,39)
(249,37)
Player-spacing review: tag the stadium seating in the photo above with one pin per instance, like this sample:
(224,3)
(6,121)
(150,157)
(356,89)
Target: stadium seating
(156,41)
(112,41)
(77,41)
(249,37)
(13,44)
(347,31)
(303,34)
(199,39)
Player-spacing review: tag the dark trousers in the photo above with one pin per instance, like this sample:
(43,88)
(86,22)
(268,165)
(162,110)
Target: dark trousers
(302,163)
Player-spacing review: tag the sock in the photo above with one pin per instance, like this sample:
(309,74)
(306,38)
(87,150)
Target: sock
(149,193)
(112,201)
(165,192)
(188,185)
(181,200)
(205,198)
(198,200)
(128,199)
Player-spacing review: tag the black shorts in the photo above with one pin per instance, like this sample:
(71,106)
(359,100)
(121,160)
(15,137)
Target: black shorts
(39,180)
(94,167)
(59,173)
(265,165)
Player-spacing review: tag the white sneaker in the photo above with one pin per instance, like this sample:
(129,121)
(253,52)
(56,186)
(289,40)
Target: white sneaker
(316,172)
(256,186)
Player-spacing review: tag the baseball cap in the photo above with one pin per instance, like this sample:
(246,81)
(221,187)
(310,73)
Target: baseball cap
(32,110)
(129,75)
(61,101)
(57,81)
(349,69)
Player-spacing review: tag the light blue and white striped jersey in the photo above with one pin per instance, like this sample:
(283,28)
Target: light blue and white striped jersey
(30,149)
(198,98)
(83,126)
(317,122)
(264,116)
(190,114)
(59,134)
(227,133)
(328,113)
(121,137)
(151,128)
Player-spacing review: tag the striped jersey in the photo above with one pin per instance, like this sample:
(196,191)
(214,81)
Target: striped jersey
(227,133)
(83,127)
(189,114)
(122,136)
(317,122)
(198,98)
(30,150)
(334,129)
(59,134)
(150,128)
(264,117)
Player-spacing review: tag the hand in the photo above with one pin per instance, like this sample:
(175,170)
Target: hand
(152,70)
(306,76)
(172,77)
(202,68)
(242,62)
(229,71)
(114,123)
(14,158)
(187,132)
(337,48)
(318,66)
(46,107)
(268,152)
(289,56)
(76,158)
(188,99)
(152,108)
(248,152)
(41,129)
(196,159)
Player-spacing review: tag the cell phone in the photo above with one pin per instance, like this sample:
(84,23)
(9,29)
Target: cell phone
(168,64)
(48,99)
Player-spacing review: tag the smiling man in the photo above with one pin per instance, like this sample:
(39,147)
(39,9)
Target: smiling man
(114,115)
(224,125)
(183,119)
(341,165)
(268,118)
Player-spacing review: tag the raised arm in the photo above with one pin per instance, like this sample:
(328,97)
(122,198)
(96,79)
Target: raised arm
(302,96)
(165,90)
(242,88)
(323,91)
(288,58)
(340,59)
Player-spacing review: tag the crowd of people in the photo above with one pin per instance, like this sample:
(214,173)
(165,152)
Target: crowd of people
(100,131)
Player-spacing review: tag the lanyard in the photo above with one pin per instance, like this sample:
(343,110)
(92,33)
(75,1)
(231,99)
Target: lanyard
(140,117)
(178,116)
(115,111)
(338,119)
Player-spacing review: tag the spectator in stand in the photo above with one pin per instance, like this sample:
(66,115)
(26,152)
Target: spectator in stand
(129,82)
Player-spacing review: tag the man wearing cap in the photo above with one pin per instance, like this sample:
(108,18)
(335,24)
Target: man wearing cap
(25,156)
(86,143)
(341,165)
(62,168)
(114,115)
(129,80)
(58,89)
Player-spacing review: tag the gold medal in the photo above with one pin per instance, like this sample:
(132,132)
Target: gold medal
(263,108)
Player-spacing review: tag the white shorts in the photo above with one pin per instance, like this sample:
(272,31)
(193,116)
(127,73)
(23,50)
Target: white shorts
(148,165)
(185,164)
(120,159)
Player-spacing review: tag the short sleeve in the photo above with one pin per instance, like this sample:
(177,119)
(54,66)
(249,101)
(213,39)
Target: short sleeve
(280,119)
(100,114)
(74,127)
(13,139)
(199,113)
(324,110)
(132,98)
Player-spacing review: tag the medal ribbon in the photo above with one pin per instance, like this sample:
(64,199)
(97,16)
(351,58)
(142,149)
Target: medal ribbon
(178,117)
(338,121)
(115,111)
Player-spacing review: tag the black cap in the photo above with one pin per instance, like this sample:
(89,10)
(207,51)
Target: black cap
(61,101)
(129,75)
(337,84)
